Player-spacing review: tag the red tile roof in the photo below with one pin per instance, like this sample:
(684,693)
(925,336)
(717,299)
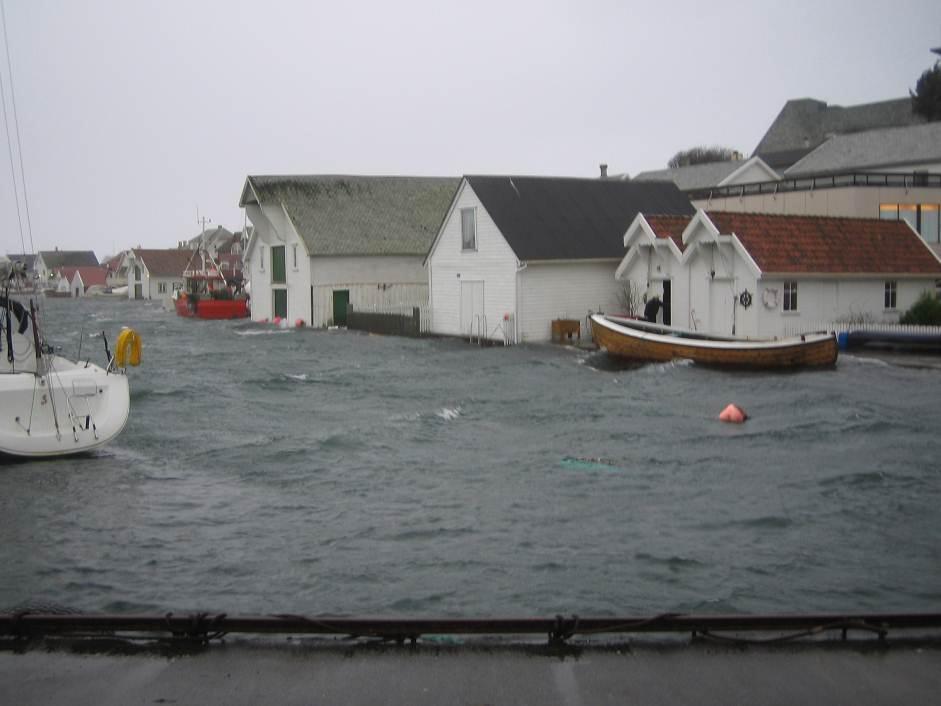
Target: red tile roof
(90,275)
(166,263)
(818,244)
(669,227)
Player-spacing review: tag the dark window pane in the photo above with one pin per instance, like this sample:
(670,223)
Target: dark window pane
(277,265)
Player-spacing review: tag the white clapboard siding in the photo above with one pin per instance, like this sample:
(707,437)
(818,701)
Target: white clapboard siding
(493,263)
(564,290)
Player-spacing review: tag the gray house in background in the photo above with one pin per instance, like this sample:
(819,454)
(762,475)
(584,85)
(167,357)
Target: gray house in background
(322,242)
(47,261)
(805,123)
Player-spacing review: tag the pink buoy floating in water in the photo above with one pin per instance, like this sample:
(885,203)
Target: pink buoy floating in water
(733,414)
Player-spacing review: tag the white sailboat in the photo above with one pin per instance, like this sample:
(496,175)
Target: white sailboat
(50,405)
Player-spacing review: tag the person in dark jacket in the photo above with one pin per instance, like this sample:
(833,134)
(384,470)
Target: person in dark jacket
(652,308)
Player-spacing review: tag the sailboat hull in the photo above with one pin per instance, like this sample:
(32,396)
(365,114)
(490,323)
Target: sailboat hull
(73,408)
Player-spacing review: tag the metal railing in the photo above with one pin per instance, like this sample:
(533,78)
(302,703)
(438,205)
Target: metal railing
(204,627)
(811,183)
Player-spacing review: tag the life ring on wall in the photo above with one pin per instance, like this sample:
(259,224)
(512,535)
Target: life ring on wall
(745,299)
(128,348)
(770,298)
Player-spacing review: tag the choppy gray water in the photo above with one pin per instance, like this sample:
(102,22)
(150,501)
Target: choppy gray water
(305,471)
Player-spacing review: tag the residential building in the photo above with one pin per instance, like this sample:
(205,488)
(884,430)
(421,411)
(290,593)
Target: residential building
(515,253)
(156,274)
(77,281)
(47,261)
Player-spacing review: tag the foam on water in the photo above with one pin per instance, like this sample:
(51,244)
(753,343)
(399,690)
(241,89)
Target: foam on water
(331,472)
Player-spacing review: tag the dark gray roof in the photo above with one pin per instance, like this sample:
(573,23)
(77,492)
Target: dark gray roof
(68,258)
(694,176)
(359,215)
(804,123)
(556,218)
(873,150)
(27,260)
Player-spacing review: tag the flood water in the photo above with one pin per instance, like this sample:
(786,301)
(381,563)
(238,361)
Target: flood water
(273,471)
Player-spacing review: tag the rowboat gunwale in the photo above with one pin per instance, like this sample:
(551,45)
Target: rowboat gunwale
(643,341)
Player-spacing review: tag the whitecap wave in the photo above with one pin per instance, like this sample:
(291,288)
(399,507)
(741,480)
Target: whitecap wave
(302,377)
(262,332)
(449,413)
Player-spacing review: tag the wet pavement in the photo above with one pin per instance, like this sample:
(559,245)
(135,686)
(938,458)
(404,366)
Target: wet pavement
(253,673)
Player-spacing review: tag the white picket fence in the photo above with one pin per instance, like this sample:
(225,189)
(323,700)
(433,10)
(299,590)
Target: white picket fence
(842,327)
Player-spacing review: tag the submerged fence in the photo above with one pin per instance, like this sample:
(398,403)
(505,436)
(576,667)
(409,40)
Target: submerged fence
(394,320)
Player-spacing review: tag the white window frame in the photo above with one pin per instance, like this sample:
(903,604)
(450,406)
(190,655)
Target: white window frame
(790,293)
(890,296)
(472,211)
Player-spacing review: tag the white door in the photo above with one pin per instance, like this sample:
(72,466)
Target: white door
(472,307)
(721,307)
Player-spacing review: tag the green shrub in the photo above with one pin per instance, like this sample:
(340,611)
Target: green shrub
(924,312)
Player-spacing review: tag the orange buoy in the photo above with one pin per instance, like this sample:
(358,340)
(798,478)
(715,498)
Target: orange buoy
(299,323)
(733,414)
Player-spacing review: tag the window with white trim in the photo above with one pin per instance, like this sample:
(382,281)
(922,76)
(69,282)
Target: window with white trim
(891,290)
(790,296)
(161,287)
(468,228)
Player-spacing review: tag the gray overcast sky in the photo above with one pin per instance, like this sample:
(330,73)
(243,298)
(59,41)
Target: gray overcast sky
(134,113)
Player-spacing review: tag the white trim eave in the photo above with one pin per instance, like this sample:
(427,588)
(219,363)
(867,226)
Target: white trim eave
(627,261)
(638,222)
(249,186)
(850,275)
(745,255)
(748,163)
(701,218)
(250,246)
(445,220)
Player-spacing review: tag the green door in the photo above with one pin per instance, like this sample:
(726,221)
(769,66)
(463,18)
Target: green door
(280,302)
(341,300)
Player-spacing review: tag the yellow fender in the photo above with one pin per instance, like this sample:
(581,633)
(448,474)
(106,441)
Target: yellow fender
(127,349)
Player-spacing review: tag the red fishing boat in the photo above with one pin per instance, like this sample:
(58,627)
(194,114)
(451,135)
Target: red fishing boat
(208,293)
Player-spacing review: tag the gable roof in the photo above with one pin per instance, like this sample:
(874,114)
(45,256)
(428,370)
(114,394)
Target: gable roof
(68,258)
(669,227)
(873,149)
(164,263)
(815,245)
(358,215)
(825,245)
(28,261)
(91,276)
(693,176)
(563,218)
(804,123)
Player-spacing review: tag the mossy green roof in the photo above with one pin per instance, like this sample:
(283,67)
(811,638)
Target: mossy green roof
(359,215)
